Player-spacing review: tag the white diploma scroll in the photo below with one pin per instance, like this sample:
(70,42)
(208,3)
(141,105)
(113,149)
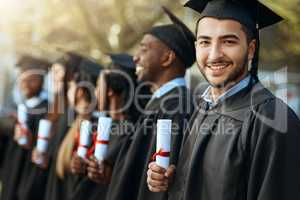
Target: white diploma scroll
(163,142)
(44,132)
(85,138)
(22,119)
(103,133)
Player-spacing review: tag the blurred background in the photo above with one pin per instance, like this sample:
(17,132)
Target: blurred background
(45,28)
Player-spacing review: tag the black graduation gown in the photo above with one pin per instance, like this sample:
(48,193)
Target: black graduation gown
(98,191)
(7,125)
(55,186)
(33,179)
(17,158)
(245,148)
(73,183)
(130,171)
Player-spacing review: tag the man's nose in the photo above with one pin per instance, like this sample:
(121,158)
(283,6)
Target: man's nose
(215,52)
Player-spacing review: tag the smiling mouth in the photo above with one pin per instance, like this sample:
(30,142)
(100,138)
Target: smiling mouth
(218,66)
(138,69)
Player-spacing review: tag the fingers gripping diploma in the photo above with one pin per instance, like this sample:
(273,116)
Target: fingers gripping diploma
(78,165)
(158,178)
(40,159)
(99,171)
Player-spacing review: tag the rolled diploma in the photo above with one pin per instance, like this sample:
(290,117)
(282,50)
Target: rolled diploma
(43,135)
(22,119)
(103,133)
(85,138)
(163,142)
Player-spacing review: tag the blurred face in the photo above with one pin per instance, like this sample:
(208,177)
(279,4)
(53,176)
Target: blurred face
(148,58)
(82,105)
(71,93)
(58,71)
(222,51)
(57,74)
(30,84)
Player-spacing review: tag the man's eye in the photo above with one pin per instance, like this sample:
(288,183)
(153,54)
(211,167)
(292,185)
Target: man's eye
(229,42)
(203,43)
(143,49)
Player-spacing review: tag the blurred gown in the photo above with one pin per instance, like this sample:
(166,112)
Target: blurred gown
(55,186)
(119,134)
(17,163)
(130,170)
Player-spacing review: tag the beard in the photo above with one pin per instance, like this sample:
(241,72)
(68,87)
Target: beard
(232,77)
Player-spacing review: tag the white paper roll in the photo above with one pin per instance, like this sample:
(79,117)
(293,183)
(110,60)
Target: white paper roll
(82,152)
(103,134)
(22,119)
(163,142)
(22,115)
(42,145)
(43,135)
(39,161)
(22,140)
(85,138)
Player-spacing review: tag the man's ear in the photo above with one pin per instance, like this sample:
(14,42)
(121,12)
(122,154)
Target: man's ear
(168,58)
(251,49)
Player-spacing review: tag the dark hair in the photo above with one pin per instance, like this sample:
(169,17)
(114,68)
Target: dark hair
(253,35)
(120,85)
(70,61)
(82,76)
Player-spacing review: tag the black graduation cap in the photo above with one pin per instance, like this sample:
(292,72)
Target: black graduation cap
(28,62)
(70,60)
(178,37)
(250,13)
(123,60)
(90,67)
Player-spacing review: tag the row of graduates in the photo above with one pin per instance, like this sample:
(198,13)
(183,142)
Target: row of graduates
(27,173)
(234,147)
(59,173)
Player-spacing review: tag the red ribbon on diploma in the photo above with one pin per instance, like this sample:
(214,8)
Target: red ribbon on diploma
(24,131)
(81,145)
(43,138)
(102,142)
(161,153)
(90,149)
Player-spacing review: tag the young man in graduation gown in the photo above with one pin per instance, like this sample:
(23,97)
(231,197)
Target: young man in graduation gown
(35,105)
(243,142)
(163,57)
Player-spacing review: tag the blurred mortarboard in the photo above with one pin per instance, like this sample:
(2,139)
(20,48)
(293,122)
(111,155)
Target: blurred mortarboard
(90,67)
(178,37)
(250,13)
(123,60)
(70,59)
(28,62)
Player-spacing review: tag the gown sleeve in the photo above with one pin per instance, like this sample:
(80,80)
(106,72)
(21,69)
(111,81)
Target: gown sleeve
(274,164)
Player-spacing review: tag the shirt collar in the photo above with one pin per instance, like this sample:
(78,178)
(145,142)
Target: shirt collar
(232,91)
(35,101)
(177,82)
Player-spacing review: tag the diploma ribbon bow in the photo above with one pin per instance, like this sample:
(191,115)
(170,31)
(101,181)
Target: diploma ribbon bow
(106,142)
(161,153)
(24,131)
(43,138)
